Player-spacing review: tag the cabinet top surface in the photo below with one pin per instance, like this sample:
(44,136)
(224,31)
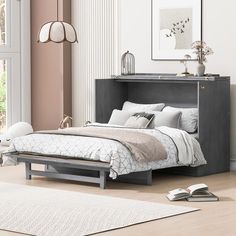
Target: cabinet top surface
(168,77)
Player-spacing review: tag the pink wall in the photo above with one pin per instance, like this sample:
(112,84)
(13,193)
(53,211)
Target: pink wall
(51,69)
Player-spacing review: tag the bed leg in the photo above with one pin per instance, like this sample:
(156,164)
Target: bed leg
(103,179)
(27,170)
(149,177)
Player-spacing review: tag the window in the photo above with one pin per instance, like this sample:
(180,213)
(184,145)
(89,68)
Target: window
(2,22)
(3,90)
(10,70)
(3,67)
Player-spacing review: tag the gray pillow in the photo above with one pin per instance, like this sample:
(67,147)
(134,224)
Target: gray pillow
(136,107)
(166,118)
(189,118)
(139,120)
(119,117)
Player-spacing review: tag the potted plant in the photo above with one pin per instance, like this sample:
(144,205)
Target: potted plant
(202,51)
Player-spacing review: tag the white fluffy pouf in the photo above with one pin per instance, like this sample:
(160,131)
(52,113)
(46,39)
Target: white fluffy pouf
(16,130)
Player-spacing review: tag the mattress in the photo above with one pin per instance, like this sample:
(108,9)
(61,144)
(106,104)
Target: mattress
(97,149)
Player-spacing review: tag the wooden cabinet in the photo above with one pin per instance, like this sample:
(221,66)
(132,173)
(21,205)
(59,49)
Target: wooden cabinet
(211,95)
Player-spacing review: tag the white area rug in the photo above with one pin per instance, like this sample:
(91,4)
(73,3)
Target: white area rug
(47,212)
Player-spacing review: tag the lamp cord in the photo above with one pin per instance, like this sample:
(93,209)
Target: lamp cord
(57,10)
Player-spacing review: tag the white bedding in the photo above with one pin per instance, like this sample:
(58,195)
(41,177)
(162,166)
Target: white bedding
(189,150)
(110,151)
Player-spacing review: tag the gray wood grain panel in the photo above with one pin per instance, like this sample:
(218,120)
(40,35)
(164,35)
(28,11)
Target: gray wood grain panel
(66,176)
(102,168)
(109,95)
(160,77)
(169,93)
(212,97)
(142,177)
(214,125)
(27,170)
(60,161)
(214,129)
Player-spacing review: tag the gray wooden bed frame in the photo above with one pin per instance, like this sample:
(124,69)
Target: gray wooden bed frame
(211,95)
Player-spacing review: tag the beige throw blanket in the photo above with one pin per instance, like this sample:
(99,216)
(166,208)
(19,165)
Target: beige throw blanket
(143,147)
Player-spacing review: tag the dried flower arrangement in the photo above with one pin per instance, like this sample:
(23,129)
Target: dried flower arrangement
(201,50)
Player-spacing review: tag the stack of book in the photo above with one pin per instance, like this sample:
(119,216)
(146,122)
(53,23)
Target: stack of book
(194,193)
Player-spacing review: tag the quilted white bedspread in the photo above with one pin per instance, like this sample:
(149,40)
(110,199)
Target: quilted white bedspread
(110,151)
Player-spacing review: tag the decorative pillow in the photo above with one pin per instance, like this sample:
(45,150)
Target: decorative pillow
(166,118)
(130,106)
(119,117)
(189,118)
(139,120)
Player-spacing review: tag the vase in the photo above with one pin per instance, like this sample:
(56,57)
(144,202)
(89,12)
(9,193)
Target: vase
(201,69)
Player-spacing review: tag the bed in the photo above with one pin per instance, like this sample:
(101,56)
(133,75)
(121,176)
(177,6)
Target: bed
(89,158)
(118,158)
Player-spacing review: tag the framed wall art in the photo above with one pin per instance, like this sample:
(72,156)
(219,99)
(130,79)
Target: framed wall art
(176,24)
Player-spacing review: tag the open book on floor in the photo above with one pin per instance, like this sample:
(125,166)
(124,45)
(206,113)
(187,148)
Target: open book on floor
(194,193)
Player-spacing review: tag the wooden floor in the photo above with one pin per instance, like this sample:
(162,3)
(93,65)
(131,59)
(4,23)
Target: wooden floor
(214,218)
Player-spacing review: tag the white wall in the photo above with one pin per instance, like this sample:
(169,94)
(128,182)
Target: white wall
(218,19)
(134,34)
(219,33)
(95,56)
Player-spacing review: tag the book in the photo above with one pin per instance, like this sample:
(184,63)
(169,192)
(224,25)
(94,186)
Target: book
(194,193)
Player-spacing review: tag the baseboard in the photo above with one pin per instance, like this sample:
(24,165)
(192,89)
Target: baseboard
(233,165)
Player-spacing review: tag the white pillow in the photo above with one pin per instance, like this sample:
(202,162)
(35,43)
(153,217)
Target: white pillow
(188,120)
(166,118)
(136,107)
(119,117)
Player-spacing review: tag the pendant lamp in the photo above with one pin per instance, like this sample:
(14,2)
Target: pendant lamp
(57,31)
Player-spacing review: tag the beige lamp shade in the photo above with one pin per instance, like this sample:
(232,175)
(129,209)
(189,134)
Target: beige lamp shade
(57,32)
